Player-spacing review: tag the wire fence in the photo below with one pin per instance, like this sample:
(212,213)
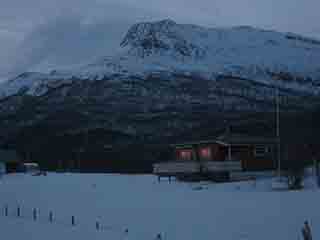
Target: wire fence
(50,217)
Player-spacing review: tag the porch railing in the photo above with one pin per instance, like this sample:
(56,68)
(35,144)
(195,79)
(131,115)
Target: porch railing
(176,167)
(222,166)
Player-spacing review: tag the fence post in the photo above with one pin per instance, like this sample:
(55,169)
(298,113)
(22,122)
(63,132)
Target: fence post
(18,211)
(6,211)
(50,217)
(34,214)
(97,226)
(159,237)
(73,222)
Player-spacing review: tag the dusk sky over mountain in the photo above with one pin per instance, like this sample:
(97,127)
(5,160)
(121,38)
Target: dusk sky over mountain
(42,34)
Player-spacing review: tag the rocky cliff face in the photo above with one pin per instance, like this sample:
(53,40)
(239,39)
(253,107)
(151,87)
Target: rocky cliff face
(146,39)
(169,78)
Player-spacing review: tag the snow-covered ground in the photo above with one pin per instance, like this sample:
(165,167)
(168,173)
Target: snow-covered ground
(145,207)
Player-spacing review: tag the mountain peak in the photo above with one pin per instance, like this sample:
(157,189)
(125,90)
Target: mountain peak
(161,37)
(142,30)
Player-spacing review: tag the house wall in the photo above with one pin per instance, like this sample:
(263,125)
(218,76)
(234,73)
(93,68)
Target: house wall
(250,161)
(203,152)
(179,154)
(216,151)
(220,153)
(206,152)
(244,153)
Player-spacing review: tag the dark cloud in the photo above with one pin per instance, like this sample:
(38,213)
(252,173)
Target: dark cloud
(40,34)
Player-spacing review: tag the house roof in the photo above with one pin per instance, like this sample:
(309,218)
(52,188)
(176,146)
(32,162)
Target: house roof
(231,139)
(234,139)
(8,156)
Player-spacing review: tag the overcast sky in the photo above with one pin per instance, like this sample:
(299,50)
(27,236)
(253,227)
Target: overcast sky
(45,34)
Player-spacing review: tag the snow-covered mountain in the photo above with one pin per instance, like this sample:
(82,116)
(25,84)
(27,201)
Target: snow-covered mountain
(243,51)
(166,46)
(165,68)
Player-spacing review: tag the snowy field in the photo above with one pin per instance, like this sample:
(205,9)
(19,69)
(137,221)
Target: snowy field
(179,211)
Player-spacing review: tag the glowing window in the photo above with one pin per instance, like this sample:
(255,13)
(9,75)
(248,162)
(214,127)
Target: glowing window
(185,154)
(205,153)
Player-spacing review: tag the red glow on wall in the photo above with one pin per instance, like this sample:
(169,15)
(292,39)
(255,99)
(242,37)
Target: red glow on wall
(205,152)
(185,154)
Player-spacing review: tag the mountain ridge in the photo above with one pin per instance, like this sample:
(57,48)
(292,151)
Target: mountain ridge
(169,78)
(165,46)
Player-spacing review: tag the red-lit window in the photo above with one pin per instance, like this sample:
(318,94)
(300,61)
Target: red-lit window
(185,155)
(205,153)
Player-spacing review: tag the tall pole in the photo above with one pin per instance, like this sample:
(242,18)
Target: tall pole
(278,129)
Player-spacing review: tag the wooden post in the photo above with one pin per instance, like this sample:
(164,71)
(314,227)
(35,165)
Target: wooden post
(314,170)
(196,157)
(229,153)
(34,214)
(18,212)
(318,172)
(50,217)
(97,226)
(6,211)
(159,237)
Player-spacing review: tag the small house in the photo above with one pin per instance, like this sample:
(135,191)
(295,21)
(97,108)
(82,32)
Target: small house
(221,156)
(9,161)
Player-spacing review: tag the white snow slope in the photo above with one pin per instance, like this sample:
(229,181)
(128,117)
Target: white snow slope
(145,207)
(166,46)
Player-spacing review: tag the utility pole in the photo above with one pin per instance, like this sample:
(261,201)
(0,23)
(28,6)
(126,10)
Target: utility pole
(278,127)
(318,173)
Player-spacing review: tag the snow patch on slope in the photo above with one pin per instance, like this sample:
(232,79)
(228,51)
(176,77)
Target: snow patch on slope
(33,83)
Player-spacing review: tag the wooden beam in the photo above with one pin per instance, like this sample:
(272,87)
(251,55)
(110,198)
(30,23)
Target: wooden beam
(229,153)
